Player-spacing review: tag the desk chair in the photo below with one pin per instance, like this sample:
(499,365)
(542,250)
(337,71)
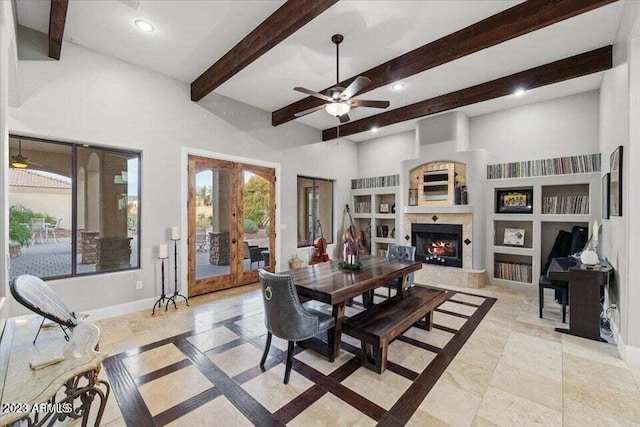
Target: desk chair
(286,318)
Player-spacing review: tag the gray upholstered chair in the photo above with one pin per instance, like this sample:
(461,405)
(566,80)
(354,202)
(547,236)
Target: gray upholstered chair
(401,252)
(286,318)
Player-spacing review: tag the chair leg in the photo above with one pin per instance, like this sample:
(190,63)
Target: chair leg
(266,351)
(564,306)
(388,292)
(287,372)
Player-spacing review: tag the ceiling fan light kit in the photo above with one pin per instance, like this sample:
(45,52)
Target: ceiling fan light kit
(19,161)
(338,99)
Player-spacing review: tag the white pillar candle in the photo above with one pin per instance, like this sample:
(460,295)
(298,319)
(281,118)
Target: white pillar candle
(163,252)
(175,233)
(596,229)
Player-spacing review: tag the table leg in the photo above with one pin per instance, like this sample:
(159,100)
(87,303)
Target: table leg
(338,314)
(400,288)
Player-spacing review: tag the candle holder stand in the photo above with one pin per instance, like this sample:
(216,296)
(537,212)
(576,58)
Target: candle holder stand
(163,297)
(176,294)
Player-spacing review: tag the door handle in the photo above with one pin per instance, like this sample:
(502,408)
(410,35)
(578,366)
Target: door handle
(233,240)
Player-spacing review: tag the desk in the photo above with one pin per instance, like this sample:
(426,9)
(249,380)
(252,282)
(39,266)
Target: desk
(71,384)
(584,295)
(327,283)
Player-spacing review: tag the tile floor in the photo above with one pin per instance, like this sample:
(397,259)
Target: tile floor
(513,370)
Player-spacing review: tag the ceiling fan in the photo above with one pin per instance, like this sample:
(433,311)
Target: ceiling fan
(339,100)
(19,161)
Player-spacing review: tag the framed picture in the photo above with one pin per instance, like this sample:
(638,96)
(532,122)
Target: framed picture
(514,236)
(615,183)
(384,207)
(514,201)
(605,195)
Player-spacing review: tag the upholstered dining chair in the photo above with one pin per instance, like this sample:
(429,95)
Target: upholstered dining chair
(286,318)
(401,252)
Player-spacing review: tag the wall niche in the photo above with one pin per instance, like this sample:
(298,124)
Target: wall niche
(435,183)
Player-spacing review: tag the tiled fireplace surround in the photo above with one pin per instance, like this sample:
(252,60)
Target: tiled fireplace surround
(439,275)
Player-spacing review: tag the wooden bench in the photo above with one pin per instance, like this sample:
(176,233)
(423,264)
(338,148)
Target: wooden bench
(381,324)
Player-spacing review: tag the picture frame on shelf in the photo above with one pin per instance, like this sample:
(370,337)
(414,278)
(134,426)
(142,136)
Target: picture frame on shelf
(605,195)
(615,183)
(514,201)
(384,207)
(514,236)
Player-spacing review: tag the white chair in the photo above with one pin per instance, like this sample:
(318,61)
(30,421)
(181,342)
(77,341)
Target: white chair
(51,229)
(37,227)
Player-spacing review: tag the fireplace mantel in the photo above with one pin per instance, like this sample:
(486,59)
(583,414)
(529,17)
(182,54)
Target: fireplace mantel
(438,209)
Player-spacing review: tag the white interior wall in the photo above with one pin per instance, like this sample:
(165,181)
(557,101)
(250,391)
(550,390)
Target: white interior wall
(383,156)
(560,127)
(8,60)
(93,98)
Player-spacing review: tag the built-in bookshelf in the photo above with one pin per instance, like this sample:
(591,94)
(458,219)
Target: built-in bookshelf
(559,203)
(586,163)
(376,213)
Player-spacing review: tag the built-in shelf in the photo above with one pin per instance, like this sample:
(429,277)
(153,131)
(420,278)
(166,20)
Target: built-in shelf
(388,240)
(438,209)
(515,250)
(372,201)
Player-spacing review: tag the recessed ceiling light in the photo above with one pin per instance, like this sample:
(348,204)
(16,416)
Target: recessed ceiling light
(397,86)
(520,91)
(144,26)
(374,129)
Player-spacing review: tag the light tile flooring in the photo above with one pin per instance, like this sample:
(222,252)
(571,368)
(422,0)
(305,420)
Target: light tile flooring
(513,370)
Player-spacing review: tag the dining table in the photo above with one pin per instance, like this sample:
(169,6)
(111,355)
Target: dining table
(328,283)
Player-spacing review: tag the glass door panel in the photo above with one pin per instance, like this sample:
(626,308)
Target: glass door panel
(211,226)
(257,193)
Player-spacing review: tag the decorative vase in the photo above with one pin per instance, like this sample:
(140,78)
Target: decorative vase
(464,196)
(457,195)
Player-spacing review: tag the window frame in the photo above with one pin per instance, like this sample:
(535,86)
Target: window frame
(74,204)
(311,191)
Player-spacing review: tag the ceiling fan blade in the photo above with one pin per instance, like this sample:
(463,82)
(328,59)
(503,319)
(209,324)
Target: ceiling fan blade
(314,94)
(309,111)
(356,86)
(366,103)
(344,118)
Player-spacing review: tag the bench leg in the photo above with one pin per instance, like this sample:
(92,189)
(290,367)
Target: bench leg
(373,357)
(426,323)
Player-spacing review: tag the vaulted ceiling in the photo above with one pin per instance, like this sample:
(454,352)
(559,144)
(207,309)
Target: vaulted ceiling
(192,35)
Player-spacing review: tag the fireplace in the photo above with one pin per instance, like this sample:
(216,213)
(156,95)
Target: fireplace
(439,244)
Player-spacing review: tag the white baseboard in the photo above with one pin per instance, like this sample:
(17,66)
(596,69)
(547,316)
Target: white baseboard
(629,353)
(120,309)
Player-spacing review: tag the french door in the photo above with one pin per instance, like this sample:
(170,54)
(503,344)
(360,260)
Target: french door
(231,209)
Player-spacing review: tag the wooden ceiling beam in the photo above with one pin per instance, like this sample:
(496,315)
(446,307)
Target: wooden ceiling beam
(288,19)
(554,72)
(516,21)
(57,20)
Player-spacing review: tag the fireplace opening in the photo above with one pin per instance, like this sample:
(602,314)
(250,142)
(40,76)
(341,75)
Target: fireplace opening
(439,244)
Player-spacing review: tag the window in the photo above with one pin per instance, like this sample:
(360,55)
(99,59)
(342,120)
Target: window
(315,210)
(73,209)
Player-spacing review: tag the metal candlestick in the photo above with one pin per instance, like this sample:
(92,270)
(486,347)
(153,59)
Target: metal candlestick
(175,278)
(163,297)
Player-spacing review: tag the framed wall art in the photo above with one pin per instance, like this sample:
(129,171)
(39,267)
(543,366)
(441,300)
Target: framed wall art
(605,195)
(615,183)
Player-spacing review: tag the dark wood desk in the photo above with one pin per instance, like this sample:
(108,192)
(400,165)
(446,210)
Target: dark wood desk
(327,283)
(584,295)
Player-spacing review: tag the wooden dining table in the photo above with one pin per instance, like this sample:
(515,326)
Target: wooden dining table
(329,284)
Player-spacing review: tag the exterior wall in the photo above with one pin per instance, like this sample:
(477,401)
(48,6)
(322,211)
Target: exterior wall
(55,202)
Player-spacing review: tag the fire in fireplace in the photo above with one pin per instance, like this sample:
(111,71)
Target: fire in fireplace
(439,244)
